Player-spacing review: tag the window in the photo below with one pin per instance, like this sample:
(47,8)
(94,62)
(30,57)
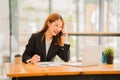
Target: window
(81,16)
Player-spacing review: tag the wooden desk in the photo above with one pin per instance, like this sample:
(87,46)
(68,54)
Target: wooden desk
(28,71)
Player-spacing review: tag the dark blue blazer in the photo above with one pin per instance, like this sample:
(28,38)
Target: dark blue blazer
(36,46)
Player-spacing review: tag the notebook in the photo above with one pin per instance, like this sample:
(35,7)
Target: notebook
(92,55)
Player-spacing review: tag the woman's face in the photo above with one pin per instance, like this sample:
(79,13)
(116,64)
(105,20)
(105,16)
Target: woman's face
(55,27)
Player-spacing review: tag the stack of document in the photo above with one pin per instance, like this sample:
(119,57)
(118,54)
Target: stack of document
(49,64)
(73,64)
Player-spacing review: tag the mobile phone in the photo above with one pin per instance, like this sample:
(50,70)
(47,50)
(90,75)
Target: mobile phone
(60,33)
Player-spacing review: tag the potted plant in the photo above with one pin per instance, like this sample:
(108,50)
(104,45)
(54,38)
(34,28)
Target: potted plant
(109,53)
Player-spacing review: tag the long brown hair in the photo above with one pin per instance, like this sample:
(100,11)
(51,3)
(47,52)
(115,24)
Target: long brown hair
(52,18)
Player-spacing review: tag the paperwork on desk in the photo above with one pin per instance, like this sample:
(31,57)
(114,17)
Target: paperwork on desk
(59,64)
(75,64)
(49,64)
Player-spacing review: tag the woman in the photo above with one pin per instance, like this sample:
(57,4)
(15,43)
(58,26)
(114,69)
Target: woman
(49,42)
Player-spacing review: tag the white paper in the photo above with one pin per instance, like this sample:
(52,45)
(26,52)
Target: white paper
(49,64)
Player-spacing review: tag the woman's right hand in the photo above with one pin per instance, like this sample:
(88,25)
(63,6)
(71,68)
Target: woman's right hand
(35,59)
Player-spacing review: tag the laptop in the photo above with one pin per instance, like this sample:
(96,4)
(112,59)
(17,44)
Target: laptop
(92,55)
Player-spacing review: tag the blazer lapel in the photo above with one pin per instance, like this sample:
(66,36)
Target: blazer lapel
(43,48)
(51,51)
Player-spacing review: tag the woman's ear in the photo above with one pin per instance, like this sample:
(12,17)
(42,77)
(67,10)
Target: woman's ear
(48,23)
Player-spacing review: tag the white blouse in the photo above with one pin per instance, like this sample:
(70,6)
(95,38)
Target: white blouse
(48,43)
